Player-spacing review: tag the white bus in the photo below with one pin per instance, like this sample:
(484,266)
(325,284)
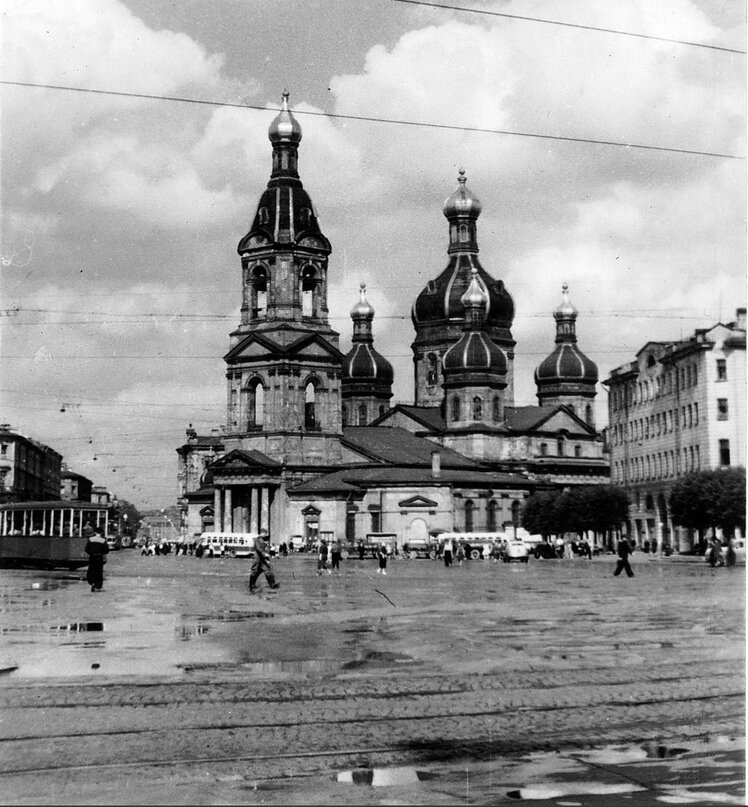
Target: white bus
(228,544)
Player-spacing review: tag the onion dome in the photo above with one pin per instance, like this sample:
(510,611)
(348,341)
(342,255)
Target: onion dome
(440,302)
(364,369)
(462,202)
(285,213)
(475,352)
(285,127)
(567,365)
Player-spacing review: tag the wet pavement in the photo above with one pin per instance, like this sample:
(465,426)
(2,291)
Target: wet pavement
(550,683)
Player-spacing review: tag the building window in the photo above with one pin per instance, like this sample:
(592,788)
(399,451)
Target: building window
(259,292)
(362,415)
(3,449)
(577,451)
(560,446)
(721,369)
(724,452)
(588,415)
(477,408)
(432,374)
(698,457)
(345,415)
(469,515)
(455,408)
(308,285)
(496,409)
(376,519)
(491,516)
(722,411)
(255,404)
(544,449)
(310,393)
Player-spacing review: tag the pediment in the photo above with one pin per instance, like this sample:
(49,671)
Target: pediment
(285,344)
(563,420)
(239,461)
(417,501)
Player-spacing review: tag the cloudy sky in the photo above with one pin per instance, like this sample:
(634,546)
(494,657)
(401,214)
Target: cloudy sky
(121,216)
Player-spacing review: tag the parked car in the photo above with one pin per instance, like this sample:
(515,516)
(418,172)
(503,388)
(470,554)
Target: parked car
(738,544)
(545,550)
(516,551)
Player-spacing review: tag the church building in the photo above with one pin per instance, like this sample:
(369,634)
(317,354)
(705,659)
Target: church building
(312,445)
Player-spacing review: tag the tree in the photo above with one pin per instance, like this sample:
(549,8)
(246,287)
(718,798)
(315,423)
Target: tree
(703,500)
(127,517)
(538,515)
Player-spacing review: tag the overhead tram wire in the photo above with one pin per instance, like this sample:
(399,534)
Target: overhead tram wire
(372,119)
(615,31)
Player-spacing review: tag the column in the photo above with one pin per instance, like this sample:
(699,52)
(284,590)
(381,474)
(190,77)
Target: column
(265,508)
(228,513)
(254,512)
(217,512)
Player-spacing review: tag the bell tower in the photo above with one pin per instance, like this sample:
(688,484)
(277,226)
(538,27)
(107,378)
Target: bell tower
(284,366)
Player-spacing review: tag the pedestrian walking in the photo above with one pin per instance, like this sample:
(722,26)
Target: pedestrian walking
(731,556)
(448,551)
(715,553)
(322,558)
(624,550)
(336,553)
(96,547)
(382,558)
(460,554)
(261,564)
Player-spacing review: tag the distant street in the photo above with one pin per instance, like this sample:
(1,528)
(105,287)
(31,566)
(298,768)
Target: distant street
(481,684)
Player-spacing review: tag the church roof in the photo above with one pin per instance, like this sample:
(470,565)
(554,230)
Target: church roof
(396,446)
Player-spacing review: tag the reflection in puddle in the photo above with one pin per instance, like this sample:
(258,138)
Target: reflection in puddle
(629,753)
(376,658)
(307,667)
(384,777)
(187,632)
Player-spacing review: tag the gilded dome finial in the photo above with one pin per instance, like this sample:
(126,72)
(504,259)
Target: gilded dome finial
(285,127)
(462,179)
(362,309)
(566,309)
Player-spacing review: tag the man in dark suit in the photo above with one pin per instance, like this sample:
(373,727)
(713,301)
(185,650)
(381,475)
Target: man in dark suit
(262,562)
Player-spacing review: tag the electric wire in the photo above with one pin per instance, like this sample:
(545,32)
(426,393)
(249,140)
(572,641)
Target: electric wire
(545,21)
(372,119)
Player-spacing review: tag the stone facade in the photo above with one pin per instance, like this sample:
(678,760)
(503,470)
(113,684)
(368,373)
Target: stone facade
(29,471)
(678,407)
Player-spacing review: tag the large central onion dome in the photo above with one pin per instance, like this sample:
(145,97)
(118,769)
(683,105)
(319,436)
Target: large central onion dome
(567,365)
(440,302)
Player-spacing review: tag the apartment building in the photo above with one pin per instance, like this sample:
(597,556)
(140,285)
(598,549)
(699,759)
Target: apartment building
(678,407)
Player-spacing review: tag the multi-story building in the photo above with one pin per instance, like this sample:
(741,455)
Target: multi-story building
(29,471)
(678,407)
(75,487)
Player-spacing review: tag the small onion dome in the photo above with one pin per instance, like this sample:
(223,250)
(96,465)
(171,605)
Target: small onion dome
(475,296)
(362,309)
(462,202)
(567,364)
(475,352)
(566,309)
(285,127)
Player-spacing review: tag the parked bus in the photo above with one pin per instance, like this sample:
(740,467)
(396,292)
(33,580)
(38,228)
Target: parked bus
(231,544)
(48,534)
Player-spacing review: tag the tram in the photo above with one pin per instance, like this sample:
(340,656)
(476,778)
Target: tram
(48,535)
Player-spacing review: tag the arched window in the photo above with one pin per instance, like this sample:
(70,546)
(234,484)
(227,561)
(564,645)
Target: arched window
(362,415)
(544,449)
(588,415)
(308,286)
(577,451)
(516,506)
(492,521)
(496,409)
(464,237)
(254,403)
(560,446)
(382,409)
(345,415)
(469,513)
(432,372)
(259,292)
(455,408)
(477,408)
(310,393)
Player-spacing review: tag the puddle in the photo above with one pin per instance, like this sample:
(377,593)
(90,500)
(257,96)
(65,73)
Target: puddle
(187,632)
(559,790)
(618,755)
(377,658)
(384,777)
(309,667)
(71,627)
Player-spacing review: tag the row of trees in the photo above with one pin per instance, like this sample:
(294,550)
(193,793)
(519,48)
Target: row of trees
(588,508)
(708,500)
(701,500)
